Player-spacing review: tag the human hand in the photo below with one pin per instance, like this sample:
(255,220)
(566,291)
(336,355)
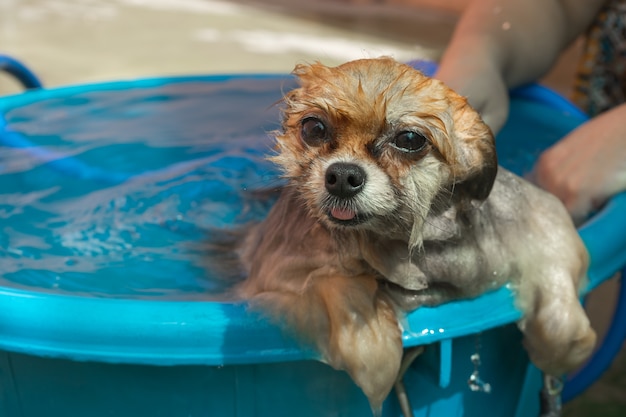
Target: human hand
(482,83)
(587,166)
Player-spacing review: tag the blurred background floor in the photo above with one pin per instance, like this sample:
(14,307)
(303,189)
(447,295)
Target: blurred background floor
(78,41)
(75,41)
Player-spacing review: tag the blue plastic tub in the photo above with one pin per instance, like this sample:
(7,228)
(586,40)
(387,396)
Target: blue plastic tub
(107,192)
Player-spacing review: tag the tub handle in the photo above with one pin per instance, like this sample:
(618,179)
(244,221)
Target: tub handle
(19,71)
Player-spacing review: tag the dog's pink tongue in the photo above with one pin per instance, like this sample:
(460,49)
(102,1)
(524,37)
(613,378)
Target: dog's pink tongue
(342,214)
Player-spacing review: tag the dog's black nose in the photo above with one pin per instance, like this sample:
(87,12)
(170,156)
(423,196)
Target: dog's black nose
(344,180)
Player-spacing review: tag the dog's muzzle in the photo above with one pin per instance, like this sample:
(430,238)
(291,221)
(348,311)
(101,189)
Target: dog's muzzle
(344,181)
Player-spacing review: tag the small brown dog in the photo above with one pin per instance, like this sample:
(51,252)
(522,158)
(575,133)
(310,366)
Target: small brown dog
(394,200)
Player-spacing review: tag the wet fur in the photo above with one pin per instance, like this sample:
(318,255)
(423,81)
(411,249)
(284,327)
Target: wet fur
(443,225)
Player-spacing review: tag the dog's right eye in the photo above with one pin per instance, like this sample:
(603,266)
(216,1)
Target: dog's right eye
(313,131)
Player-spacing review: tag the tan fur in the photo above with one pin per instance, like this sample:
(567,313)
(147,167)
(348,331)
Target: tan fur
(317,286)
(441,222)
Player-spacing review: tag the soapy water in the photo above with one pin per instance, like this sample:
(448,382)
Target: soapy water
(111,192)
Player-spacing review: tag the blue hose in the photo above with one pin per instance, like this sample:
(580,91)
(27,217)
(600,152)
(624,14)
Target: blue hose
(603,357)
(18,70)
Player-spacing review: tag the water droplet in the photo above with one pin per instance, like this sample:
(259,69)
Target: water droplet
(506,25)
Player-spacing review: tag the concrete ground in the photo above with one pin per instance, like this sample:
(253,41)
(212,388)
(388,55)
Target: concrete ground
(79,41)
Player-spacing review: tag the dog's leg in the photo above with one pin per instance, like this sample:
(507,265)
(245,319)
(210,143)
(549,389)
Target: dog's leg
(548,268)
(347,319)
(558,335)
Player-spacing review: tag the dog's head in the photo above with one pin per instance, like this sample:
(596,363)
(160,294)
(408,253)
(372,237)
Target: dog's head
(374,144)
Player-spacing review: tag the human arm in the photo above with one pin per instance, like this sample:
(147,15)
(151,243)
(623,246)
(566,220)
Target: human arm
(498,45)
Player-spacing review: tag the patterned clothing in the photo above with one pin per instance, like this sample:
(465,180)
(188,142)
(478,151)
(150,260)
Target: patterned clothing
(601,80)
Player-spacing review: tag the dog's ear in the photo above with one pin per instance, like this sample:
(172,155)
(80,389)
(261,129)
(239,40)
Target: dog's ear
(476,164)
(311,82)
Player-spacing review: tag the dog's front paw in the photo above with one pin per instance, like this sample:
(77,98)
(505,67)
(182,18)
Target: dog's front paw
(348,320)
(558,339)
(369,348)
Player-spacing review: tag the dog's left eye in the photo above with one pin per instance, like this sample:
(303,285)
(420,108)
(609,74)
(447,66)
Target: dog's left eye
(409,141)
(314,132)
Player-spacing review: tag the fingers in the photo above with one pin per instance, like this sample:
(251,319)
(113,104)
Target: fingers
(562,176)
(484,88)
(495,116)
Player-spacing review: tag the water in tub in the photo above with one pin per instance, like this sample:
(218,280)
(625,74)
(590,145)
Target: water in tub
(108,192)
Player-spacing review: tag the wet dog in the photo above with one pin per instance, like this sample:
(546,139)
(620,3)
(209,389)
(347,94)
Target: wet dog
(394,200)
